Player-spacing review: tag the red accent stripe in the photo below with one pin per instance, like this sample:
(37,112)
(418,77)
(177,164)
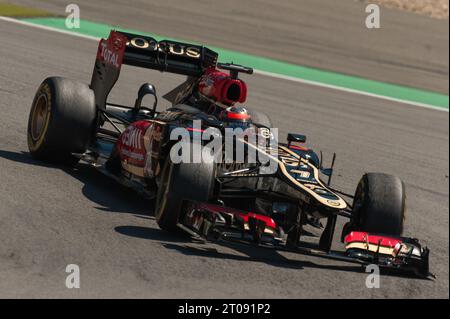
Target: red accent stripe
(238,116)
(363,237)
(300,148)
(191,129)
(244,215)
(269,221)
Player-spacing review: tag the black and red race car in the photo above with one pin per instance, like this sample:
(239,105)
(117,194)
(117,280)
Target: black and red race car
(266,199)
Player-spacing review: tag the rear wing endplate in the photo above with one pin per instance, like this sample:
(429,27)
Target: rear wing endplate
(146,52)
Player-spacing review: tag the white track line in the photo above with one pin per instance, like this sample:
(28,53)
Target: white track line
(264,73)
(38,26)
(340,88)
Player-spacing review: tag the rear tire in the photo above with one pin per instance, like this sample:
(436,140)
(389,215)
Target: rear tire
(379,205)
(61,121)
(179,182)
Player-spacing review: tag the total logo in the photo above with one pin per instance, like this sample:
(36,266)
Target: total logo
(108,55)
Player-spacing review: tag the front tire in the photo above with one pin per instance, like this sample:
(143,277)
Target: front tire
(180,182)
(61,121)
(379,204)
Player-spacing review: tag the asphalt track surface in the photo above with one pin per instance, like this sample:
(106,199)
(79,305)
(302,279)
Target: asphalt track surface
(51,217)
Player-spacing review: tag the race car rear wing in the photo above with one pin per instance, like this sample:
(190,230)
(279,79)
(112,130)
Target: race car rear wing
(166,55)
(146,52)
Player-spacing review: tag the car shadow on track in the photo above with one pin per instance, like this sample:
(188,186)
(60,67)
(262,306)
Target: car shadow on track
(109,195)
(152,234)
(22,157)
(188,246)
(185,245)
(257,254)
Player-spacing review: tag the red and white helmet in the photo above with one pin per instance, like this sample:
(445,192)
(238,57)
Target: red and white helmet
(235,114)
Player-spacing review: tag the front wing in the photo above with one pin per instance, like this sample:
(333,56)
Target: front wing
(215,222)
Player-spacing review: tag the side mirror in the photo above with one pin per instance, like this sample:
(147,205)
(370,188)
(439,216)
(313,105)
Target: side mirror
(299,138)
(146,89)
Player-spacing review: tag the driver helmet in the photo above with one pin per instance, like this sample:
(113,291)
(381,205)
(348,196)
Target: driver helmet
(235,114)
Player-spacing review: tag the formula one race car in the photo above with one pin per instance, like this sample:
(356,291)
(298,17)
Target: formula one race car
(185,158)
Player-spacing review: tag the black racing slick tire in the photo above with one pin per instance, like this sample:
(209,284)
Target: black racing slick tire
(379,204)
(61,121)
(180,182)
(260,118)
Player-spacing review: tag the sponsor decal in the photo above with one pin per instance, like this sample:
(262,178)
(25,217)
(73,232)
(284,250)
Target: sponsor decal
(111,50)
(108,55)
(173,48)
(131,145)
(333,202)
(152,140)
(132,137)
(302,174)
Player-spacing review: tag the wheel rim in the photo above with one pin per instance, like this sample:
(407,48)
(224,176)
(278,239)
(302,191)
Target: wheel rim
(39,117)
